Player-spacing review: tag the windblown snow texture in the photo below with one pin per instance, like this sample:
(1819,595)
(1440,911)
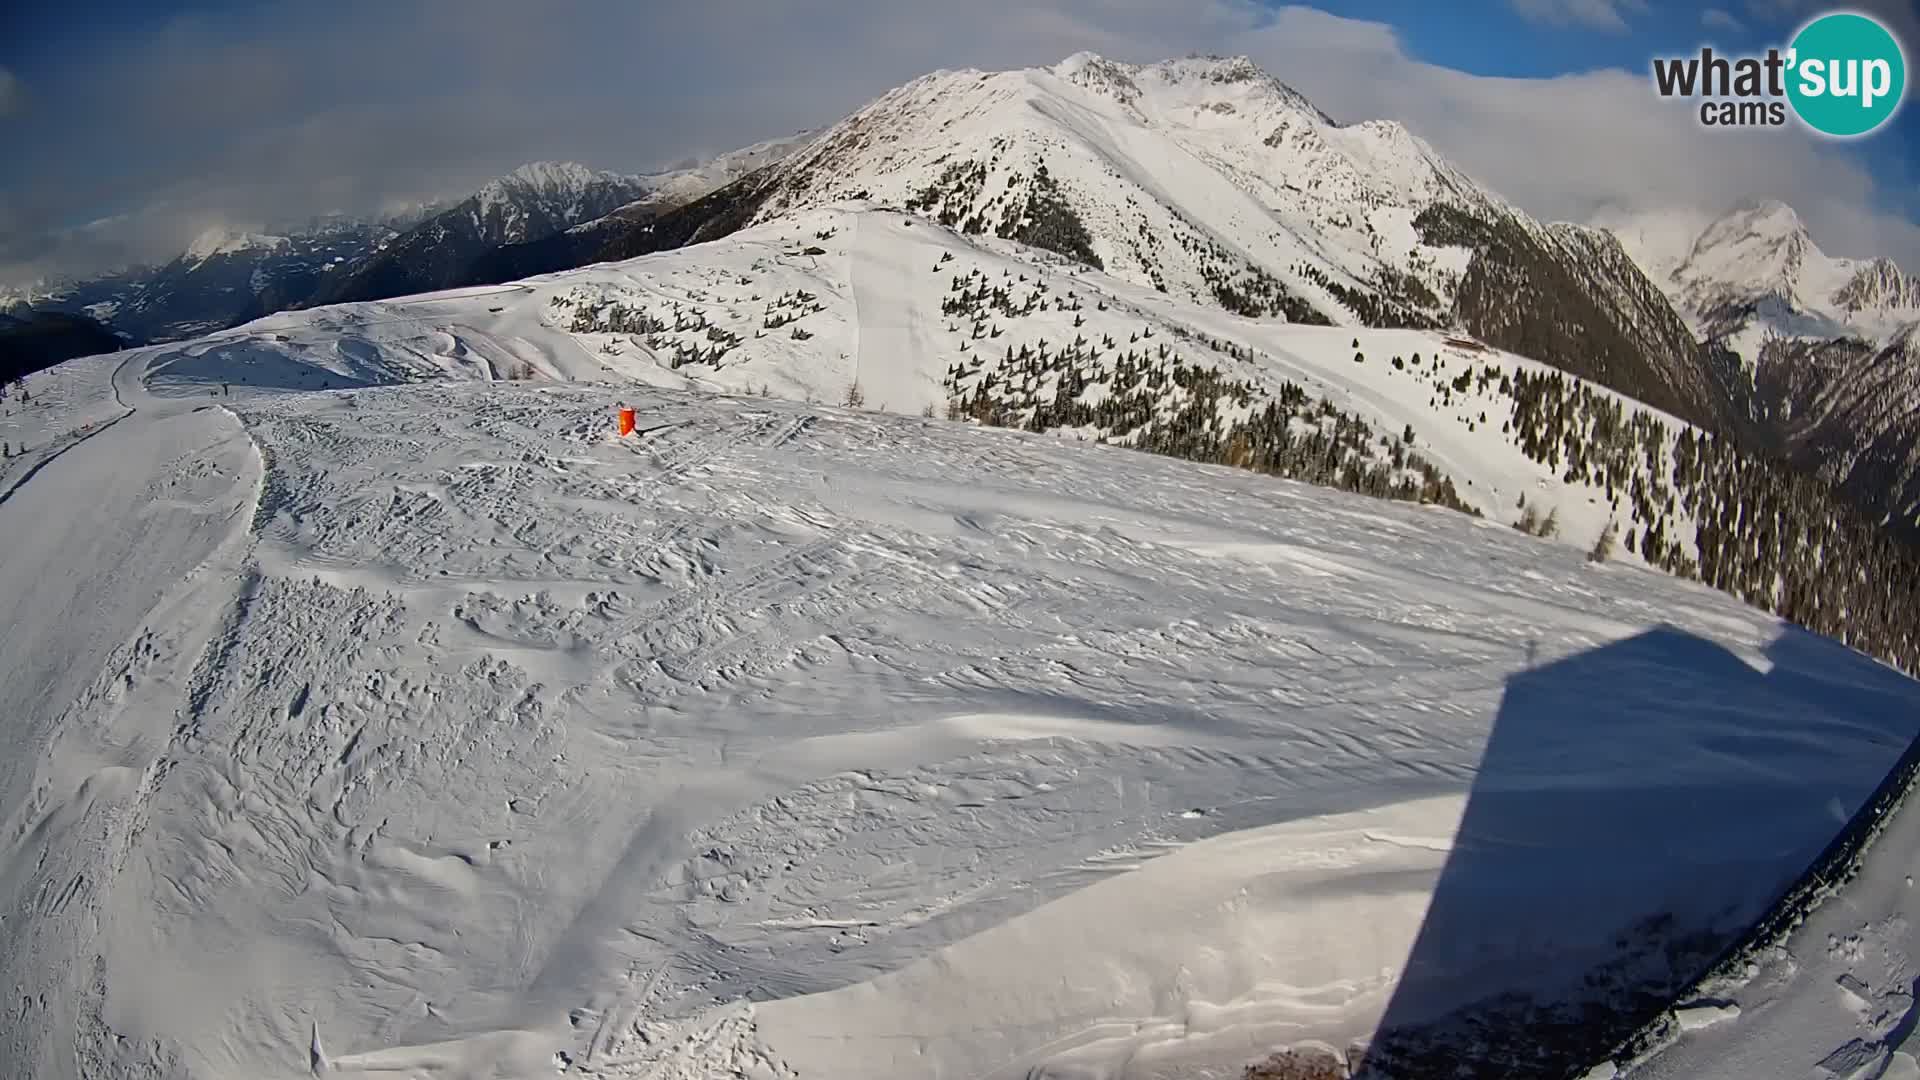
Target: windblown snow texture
(435,728)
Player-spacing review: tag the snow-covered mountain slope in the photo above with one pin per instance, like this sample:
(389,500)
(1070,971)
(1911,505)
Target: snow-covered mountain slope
(531,203)
(1849,411)
(435,728)
(1754,273)
(1827,343)
(925,319)
(683,193)
(534,199)
(1211,181)
(1191,174)
(226,276)
(691,180)
(541,217)
(224,241)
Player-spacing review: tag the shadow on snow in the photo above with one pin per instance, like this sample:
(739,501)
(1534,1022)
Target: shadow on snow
(1638,807)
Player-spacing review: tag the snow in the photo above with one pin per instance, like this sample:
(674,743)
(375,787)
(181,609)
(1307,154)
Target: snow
(1760,253)
(876,318)
(554,175)
(556,183)
(880,323)
(221,240)
(1185,169)
(1837,999)
(1659,240)
(1705,1015)
(1201,958)
(689,183)
(560,191)
(433,728)
(376,710)
(60,408)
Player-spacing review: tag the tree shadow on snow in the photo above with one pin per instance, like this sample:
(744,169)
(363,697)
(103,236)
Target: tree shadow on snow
(1638,807)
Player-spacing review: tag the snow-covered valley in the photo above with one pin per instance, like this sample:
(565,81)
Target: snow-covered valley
(435,730)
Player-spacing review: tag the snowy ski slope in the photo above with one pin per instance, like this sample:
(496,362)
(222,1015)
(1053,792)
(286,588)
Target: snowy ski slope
(433,730)
(873,314)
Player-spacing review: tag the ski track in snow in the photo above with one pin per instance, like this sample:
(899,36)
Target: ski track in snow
(431,729)
(485,736)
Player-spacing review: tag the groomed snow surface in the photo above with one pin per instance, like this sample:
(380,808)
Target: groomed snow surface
(876,283)
(434,730)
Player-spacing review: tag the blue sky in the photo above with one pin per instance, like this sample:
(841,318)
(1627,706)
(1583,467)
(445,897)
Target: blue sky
(170,116)
(1497,39)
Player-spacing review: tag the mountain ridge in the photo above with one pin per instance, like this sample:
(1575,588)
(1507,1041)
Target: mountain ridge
(1207,178)
(1830,375)
(229,275)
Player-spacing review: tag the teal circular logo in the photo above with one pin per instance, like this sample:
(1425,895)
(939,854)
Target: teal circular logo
(1847,74)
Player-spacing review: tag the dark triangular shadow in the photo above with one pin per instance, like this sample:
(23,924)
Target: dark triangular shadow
(1637,807)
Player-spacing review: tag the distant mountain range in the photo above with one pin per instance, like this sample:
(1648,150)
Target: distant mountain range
(1212,182)
(228,277)
(218,281)
(1829,347)
(1224,186)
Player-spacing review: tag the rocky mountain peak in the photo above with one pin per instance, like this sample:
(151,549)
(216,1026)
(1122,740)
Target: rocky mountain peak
(1879,285)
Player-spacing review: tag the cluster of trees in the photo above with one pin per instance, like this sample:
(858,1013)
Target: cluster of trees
(1783,541)
(1748,525)
(1841,410)
(1698,502)
(1410,293)
(1049,221)
(668,336)
(1155,400)
(1032,210)
(950,200)
(1522,294)
(1692,503)
(971,296)
(1377,308)
(1246,289)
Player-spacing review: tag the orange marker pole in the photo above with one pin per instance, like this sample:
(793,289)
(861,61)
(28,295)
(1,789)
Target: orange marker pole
(626,421)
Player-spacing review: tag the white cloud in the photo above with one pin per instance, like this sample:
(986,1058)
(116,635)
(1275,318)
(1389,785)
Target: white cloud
(1565,146)
(1719,19)
(1609,15)
(362,104)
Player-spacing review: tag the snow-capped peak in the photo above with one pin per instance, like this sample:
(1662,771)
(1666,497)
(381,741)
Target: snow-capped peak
(1083,61)
(557,193)
(548,178)
(1879,285)
(1767,217)
(1758,248)
(221,240)
(1906,339)
(1108,161)
(1186,80)
(1097,73)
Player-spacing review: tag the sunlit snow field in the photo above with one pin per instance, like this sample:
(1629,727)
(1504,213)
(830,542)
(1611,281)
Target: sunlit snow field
(435,728)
